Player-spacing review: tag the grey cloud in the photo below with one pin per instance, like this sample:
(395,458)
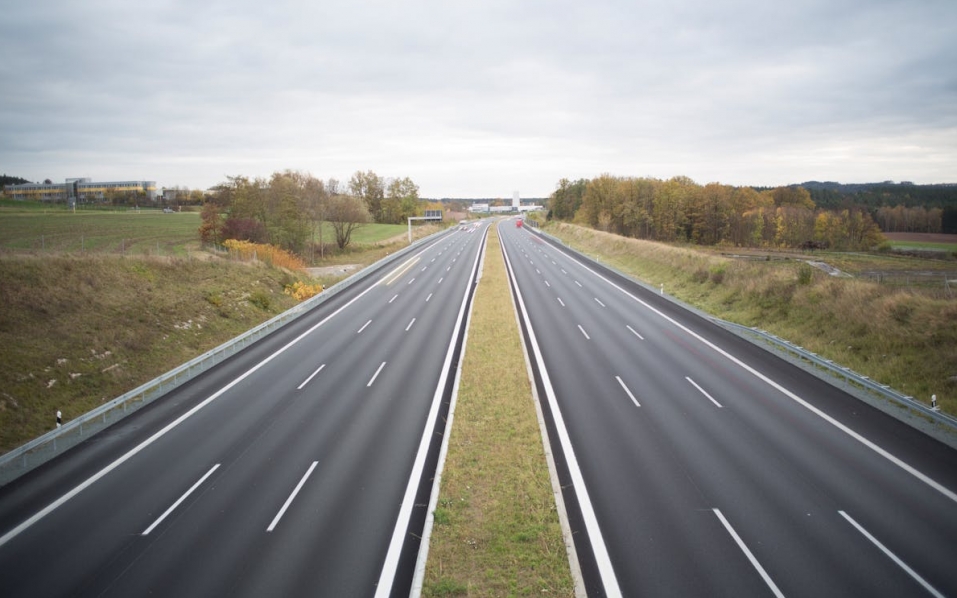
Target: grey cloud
(455,92)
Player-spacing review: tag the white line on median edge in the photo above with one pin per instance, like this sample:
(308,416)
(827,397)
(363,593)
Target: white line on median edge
(181,499)
(275,520)
(602,559)
(391,564)
(418,575)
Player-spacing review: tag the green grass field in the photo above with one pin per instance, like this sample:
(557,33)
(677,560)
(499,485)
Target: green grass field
(922,245)
(33,227)
(143,232)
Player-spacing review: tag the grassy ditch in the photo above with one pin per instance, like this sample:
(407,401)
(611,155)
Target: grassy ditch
(496,529)
(905,337)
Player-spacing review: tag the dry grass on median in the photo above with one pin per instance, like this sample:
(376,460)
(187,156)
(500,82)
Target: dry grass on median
(496,529)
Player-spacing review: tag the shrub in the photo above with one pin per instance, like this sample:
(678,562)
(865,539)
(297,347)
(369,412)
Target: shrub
(261,300)
(805,274)
(301,291)
(270,254)
(717,274)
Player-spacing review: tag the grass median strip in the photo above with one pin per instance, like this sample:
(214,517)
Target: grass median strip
(496,529)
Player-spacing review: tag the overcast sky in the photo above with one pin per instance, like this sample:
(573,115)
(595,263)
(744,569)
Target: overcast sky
(480,98)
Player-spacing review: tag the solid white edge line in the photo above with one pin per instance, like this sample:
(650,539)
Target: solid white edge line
(172,507)
(933,591)
(311,376)
(630,396)
(363,327)
(583,332)
(375,375)
(702,391)
(410,325)
(162,432)
(275,520)
(567,536)
(840,426)
(744,548)
(391,563)
(418,576)
(602,559)
(635,332)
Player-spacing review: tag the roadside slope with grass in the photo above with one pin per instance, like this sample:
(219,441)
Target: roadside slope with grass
(97,302)
(905,337)
(496,530)
(77,331)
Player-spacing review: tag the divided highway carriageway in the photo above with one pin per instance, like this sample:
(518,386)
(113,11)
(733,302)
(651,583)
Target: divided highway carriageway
(299,467)
(691,462)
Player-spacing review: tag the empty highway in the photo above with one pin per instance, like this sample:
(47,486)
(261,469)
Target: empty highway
(295,468)
(696,464)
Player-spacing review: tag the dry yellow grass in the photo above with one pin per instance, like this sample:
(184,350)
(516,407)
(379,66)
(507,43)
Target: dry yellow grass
(496,529)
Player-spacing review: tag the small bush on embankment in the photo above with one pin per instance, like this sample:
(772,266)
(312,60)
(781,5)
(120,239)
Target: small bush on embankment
(76,331)
(905,337)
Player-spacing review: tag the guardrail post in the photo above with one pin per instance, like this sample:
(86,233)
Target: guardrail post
(933,403)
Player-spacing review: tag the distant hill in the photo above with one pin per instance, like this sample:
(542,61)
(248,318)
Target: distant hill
(832,195)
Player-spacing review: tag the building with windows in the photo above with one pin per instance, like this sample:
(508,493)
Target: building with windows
(82,189)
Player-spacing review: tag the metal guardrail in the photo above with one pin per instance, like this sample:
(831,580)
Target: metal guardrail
(849,376)
(839,371)
(43,448)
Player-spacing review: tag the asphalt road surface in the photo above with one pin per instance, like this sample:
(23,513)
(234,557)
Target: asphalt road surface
(696,464)
(296,468)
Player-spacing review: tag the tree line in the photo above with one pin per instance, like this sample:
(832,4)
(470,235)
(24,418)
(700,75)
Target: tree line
(680,210)
(288,208)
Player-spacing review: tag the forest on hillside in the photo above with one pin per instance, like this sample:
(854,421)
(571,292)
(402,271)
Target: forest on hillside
(680,210)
